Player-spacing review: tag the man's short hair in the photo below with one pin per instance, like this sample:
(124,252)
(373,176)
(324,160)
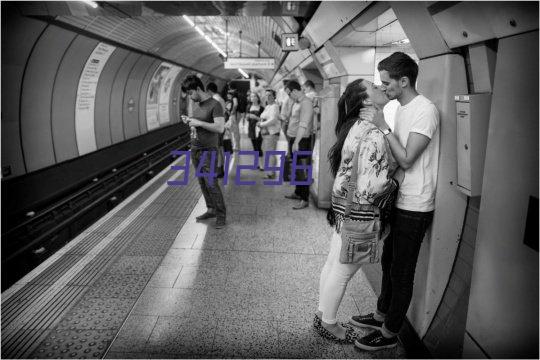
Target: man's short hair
(293,85)
(271,91)
(192,82)
(398,65)
(211,87)
(310,84)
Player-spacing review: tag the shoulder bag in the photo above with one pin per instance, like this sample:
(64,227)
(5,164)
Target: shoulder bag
(361,241)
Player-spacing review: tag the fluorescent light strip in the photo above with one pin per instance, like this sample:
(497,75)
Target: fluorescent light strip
(244,74)
(190,22)
(199,30)
(206,37)
(93,4)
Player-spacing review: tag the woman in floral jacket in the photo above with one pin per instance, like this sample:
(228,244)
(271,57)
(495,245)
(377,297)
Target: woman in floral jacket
(375,188)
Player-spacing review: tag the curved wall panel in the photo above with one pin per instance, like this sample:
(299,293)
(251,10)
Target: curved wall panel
(103,98)
(174,102)
(65,98)
(117,96)
(131,97)
(38,83)
(142,95)
(19,34)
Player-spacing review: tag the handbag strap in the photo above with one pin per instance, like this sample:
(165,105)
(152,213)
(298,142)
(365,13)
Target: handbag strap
(351,186)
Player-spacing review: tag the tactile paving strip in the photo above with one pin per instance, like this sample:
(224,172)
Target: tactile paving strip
(86,244)
(135,265)
(110,297)
(74,344)
(119,286)
(149,245)
(94,313)
(55,272)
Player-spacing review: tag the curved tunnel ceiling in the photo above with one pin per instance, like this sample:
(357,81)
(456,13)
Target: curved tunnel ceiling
(172,38)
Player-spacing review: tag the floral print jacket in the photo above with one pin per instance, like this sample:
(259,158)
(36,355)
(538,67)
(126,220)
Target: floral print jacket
(374,185)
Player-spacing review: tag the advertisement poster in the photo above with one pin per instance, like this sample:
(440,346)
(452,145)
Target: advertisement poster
(86,98)
(165,94)
(152,97)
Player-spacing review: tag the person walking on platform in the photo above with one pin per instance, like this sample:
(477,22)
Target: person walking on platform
(415,146)
(270,128)
(374,190)
(213,92)
(299,133)
(208,123)
(254,132)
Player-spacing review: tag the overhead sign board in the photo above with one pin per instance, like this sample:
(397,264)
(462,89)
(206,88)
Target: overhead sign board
(250,63)
(289,42)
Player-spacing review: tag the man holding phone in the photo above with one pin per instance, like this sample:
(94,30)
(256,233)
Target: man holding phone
(206,124)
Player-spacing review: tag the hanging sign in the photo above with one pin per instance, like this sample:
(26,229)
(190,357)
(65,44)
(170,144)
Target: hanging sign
(250,63)
(289,42)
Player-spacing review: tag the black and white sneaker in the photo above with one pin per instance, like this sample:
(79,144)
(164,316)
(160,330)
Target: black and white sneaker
(366,321)
(375,341)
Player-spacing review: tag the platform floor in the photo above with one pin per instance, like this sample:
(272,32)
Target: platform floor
(148,281)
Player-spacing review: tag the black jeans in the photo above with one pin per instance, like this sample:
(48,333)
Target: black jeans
(257,145)
(303,145)
(400,253)
(210,189)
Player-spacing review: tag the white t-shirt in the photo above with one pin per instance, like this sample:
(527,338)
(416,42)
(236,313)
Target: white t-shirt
(417,191)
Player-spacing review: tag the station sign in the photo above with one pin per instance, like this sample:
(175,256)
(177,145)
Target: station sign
(289,42)
(250,63)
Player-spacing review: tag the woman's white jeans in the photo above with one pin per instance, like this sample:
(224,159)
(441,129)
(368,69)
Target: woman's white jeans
(334,279)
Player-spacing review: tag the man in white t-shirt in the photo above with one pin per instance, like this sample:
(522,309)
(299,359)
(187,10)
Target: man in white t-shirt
(415,146)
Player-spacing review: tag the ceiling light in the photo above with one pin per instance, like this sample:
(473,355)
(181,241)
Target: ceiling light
(199,31)
(400,42)
(188,20)
(244,74)
(209,39)
(93,4)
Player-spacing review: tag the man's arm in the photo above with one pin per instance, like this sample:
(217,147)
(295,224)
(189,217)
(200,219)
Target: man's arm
(306,115)
(405,156)
(217,126)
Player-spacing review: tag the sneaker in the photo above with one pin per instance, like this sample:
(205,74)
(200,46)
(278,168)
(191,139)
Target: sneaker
(302,205)
(366,321)
(375,341)
(220,223)
(206,215)
(293,196)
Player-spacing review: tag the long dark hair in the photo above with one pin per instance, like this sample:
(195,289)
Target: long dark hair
(349,106)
